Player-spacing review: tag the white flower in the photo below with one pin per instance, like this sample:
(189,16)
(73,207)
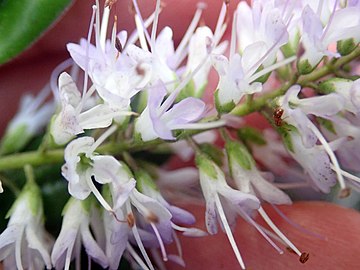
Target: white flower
(343,24)
(32,117)
(247,177)
(75,231)
(72,120)
(159,119)
(25,244)
(83,166)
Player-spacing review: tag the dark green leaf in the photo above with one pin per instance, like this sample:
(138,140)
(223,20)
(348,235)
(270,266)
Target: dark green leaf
(23,21)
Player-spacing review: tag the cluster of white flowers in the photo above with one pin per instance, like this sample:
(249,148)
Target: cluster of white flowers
(143,93)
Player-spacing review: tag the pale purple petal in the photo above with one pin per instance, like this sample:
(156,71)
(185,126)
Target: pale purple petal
(211,217)
(312,25)
(236,197)
(186,111)
(92,248)
(39,245)
(327,105)
(268,192)
(220,63)
(181,216)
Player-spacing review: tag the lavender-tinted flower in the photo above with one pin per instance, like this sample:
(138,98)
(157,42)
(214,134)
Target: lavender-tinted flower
(239,73)
(296,111)
(217,192)
(158,119)
(75,231)
(24,244)
(117,76)
(342,25)
(249,180)
(261,24)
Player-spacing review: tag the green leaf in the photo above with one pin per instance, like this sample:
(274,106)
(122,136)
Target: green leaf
(23,21)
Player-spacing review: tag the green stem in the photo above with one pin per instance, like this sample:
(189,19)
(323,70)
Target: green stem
(260,102)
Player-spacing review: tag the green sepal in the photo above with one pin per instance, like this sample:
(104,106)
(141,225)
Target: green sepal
(223,108)
(330,85)
(213,152)
(249,134)
(32,194)
(206,165)
(285,132)
(187,91)
(264,77)
(144,178)
(238,153)
(304,67)
(345,47)
(15,140)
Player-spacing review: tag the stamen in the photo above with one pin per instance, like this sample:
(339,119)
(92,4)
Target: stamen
(152,218)
(347,174)
(138,239)
(97,24)
(55,75)
(154,26)
(170,100)
(344,193)
(304,257)
(138,13)
(98,196)
(141,31)
(135,34)
(193,232)
(161,243)
(269,68)
(233,37)
(220,25)
(179,52)
(130,220)
(85,84)
(102,138)
(118,46)
(104,26)
(136,257)
(110,3)
(258,228)
(228,231)
(277,231)
(331,154)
